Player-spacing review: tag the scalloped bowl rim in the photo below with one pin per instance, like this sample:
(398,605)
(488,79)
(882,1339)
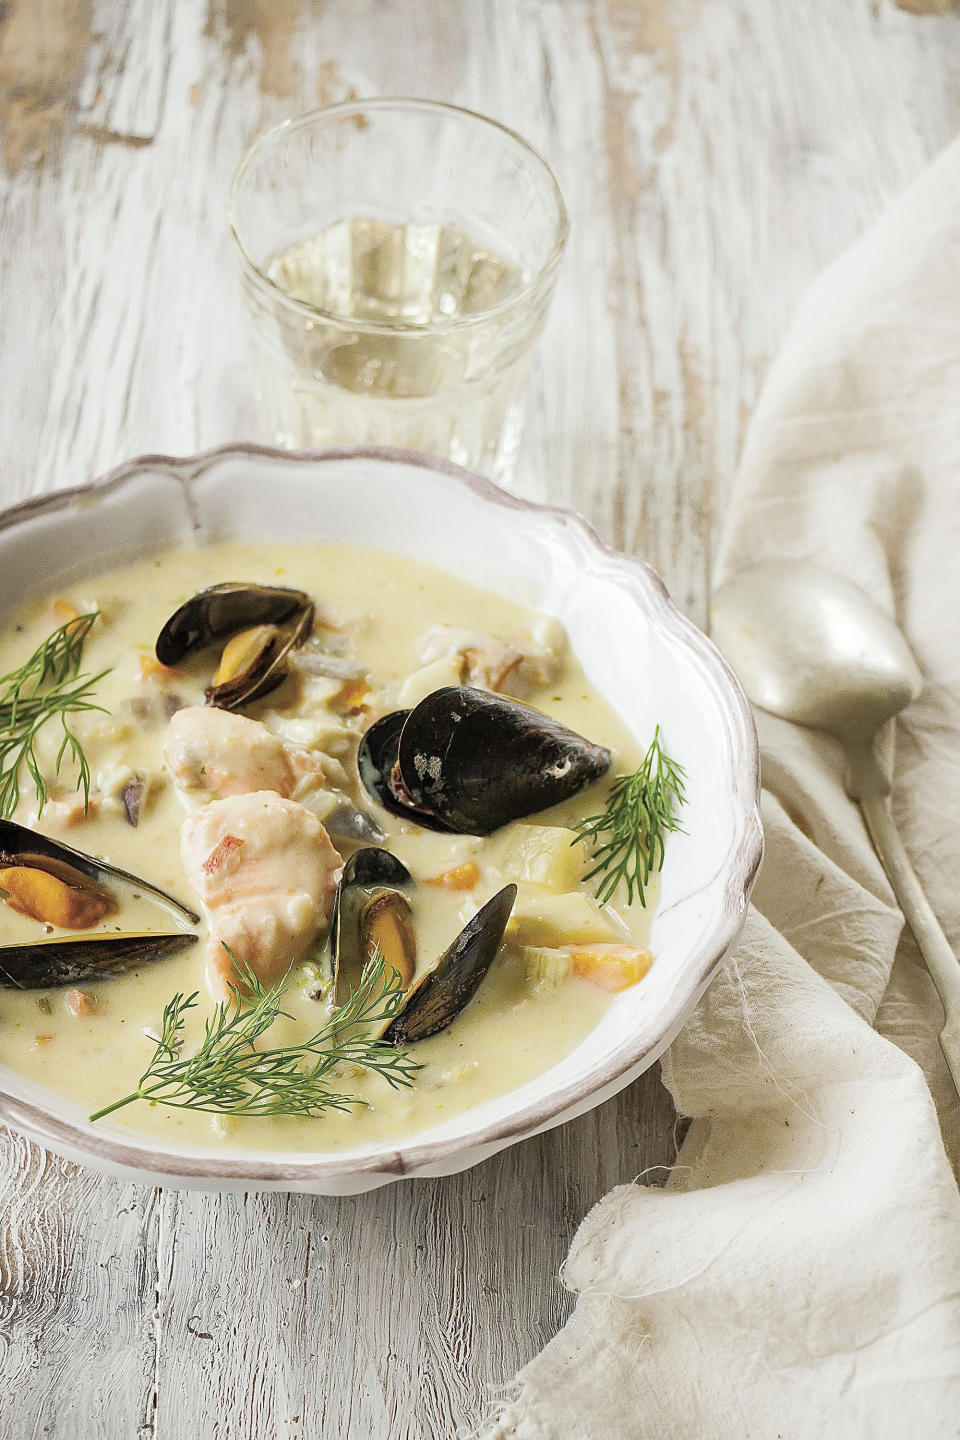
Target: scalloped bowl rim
(350,1171)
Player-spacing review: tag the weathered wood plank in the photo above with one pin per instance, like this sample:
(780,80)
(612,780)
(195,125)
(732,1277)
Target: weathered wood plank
(714,156)
(77,1292)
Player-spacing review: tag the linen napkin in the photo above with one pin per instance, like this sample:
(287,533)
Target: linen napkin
(799,1276)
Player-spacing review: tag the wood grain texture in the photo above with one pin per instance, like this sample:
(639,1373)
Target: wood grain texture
(715,154)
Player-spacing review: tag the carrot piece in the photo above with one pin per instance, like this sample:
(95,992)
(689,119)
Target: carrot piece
(63,610)
(66,614)
(461,877)
(350,699)
(152,669)
(612,967)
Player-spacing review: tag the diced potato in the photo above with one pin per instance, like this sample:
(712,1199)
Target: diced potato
(320,689)
(540,918)
(319,732)
(461,877)
(333,770)
(421,683)
(126,791)
(68,811)
(107,730)
(112,777)
(547,966)
(547,855)
(549,632)
(612,967)
(319,802)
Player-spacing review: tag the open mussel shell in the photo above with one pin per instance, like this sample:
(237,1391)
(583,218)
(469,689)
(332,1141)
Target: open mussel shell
(222,610)
(254,662)
(65,960)
(376,763)
(371,907)
(469,761)
(372,878)
(20,846)
(437,999)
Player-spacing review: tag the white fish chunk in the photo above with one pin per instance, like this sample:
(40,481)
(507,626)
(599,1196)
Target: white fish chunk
(266,871)
(216,753)
(491,662)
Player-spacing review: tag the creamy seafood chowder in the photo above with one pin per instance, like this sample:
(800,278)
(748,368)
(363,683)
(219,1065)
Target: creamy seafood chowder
(309,847)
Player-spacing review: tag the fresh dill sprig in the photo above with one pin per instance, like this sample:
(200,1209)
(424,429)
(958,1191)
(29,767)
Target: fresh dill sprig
(628,836)
(229,1075)
(48,686)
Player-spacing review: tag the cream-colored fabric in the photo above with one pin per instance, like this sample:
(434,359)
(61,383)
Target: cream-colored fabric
(800,1274)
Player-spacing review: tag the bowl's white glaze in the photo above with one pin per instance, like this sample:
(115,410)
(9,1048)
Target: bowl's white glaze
(652,664)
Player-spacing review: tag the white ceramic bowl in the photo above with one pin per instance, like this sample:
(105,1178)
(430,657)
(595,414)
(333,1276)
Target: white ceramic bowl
(650,662)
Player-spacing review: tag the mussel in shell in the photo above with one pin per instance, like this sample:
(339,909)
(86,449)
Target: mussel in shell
(254,663)
(348,822)
(59,886)
(469,761)
(445,990)
(262,624)
(372,910)
(371,907)
(20,846)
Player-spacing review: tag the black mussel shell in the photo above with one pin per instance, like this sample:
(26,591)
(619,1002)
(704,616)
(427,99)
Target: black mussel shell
(376,762)
(373,866)
(65,960)
(222,610)
(443,993)
(471,761)
(367,869)
(347,822)
(18,846)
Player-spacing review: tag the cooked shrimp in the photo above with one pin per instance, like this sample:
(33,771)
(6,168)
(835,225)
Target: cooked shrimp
(491,662)
(266,871)
(217,752)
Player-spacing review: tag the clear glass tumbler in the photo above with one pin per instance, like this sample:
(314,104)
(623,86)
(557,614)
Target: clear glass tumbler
(397,260)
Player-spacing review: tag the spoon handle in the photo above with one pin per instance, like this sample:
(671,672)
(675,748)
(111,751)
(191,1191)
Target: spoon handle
(935,948)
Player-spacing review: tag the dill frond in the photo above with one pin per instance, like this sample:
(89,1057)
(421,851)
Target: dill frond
(230,1074)
(627,837)
(46,687)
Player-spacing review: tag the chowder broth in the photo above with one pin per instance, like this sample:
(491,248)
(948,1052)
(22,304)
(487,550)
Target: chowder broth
(373,611)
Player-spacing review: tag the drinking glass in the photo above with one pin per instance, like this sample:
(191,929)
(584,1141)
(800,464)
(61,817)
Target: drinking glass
(397,259)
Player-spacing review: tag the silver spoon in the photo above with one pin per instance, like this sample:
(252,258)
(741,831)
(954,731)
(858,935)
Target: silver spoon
(810,647)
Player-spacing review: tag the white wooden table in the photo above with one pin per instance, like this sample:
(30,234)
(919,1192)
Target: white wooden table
(715,153)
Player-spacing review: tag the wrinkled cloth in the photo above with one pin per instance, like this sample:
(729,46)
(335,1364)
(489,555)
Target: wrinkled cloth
(799,1276)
